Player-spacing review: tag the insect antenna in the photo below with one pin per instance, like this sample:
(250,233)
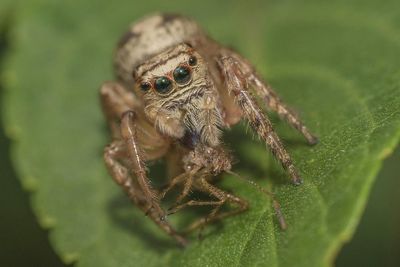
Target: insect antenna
(275,203)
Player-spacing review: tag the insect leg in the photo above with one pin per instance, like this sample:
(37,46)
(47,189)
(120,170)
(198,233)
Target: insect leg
(238,86)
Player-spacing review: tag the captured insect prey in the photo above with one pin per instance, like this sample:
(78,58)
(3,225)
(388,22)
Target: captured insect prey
(176,90)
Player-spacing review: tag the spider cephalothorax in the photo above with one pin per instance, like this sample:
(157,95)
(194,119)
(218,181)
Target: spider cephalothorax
(179,96)
(176,90)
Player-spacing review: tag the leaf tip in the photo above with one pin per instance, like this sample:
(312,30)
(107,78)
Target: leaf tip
(70,257)
(47,221)
(29,183)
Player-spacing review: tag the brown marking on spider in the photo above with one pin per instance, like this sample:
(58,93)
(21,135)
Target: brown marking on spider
(126,37)
(176,90)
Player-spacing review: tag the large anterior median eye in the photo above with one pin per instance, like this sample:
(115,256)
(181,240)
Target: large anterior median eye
(163,85)
(182,74)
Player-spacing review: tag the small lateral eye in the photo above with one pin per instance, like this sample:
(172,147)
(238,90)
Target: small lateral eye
(192,61)
(145,86)
(182,74)
(163,85)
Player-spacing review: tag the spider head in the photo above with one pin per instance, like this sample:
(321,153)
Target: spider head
(175,70)
(175,86)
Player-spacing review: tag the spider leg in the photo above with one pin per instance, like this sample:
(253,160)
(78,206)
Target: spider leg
(186,189)
(124,157)
(176,180)
(275,202)
(272,100)
(192,203)
(187,179)
(223,197)
(115,100)
(128,133)
(114,154)
(266,92)
(237,85)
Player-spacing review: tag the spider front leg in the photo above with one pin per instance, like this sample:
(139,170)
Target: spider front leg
(238,86)
(274,103)
(114,156)
(115,100)
(124,157)
(117,107)
(129,133)
(266,92)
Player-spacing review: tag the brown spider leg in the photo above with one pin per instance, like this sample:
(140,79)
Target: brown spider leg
(176,180)
(266,92)
(117,106)
(128,133)
(238,86)
(113,155)
(274,103)
(186,189)
(192,203)
(115,100)
(201,227)
(275,202)
(223,197)
(187,177)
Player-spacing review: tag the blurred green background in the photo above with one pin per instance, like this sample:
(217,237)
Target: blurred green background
(24,243)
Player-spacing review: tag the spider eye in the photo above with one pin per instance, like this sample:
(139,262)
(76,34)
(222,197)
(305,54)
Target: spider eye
(182,74)
(192,61)
(163,85)
(145,86)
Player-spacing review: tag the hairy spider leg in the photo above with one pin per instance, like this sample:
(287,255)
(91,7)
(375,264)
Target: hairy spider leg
(199,182)
(114,155)
(272,100)
(238,86)
(275,202)
(187,179)
(115,100)
(139,190)
(223,197)
(171,184)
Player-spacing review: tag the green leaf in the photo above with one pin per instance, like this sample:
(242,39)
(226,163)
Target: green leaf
(375,241)
(337,63)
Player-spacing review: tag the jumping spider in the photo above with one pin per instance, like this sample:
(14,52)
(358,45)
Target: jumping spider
(176,90)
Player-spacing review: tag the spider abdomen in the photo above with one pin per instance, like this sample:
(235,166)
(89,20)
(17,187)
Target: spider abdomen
(149,37)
